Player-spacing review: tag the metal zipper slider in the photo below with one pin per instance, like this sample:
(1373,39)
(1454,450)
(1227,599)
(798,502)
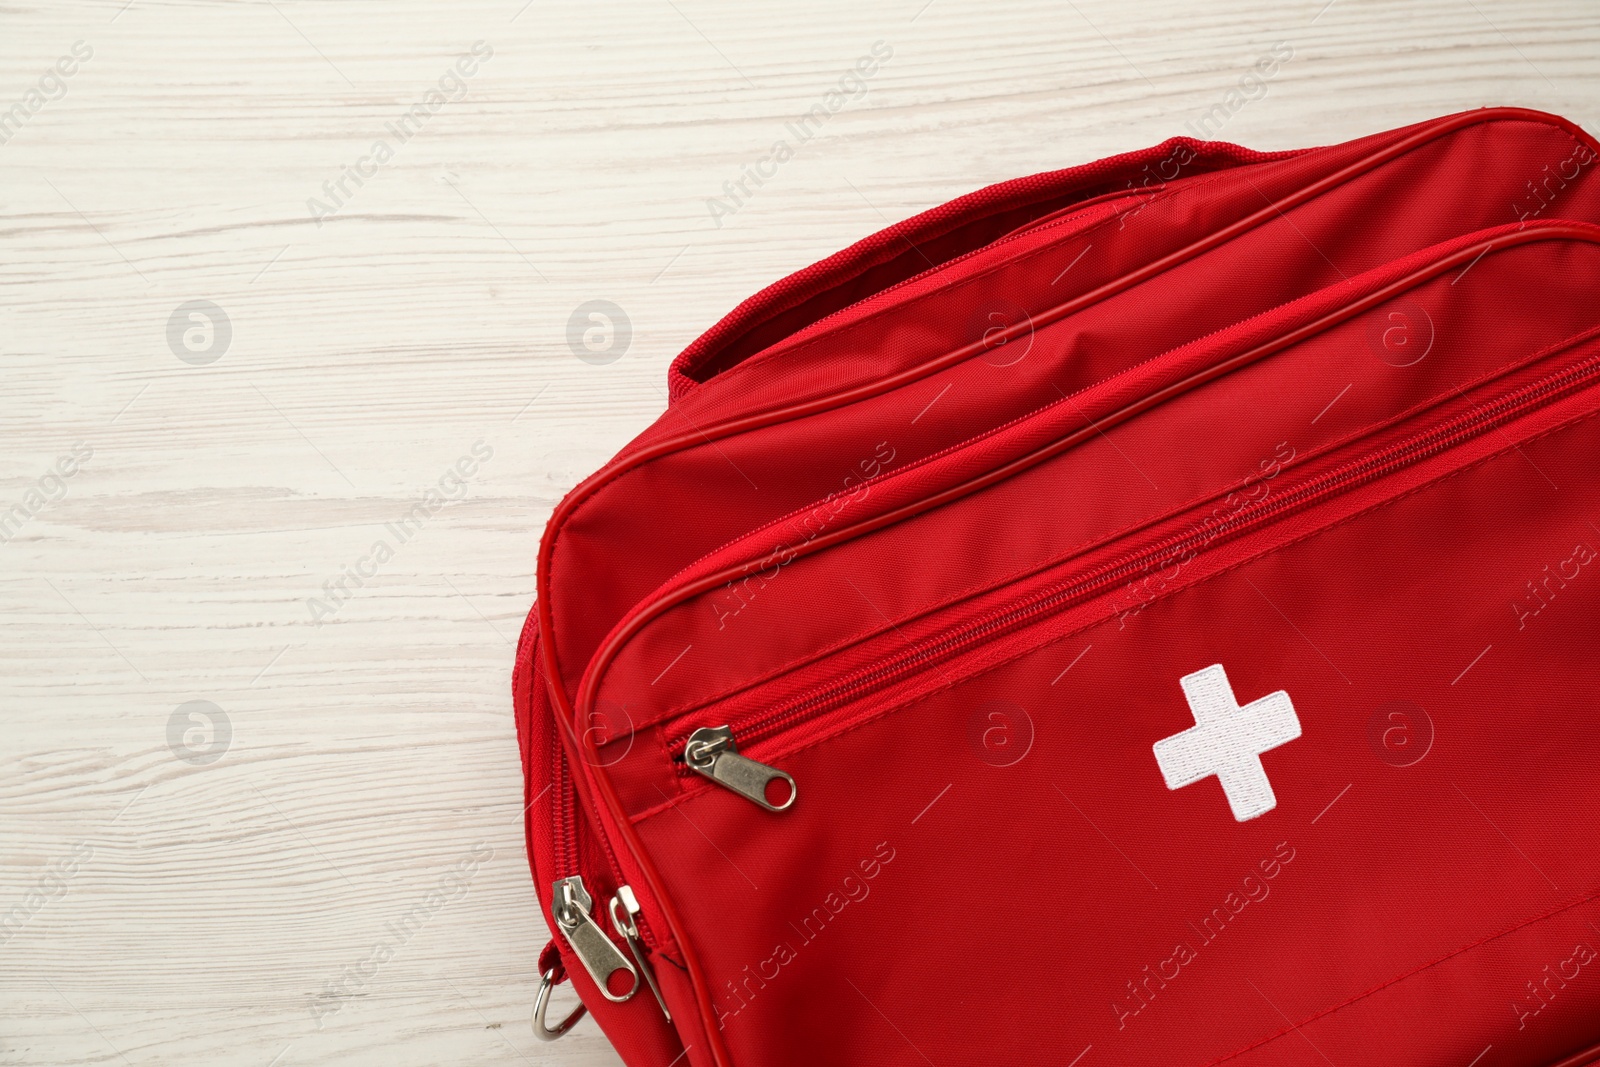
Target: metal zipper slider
(712,752)
(625,918)
(574,908)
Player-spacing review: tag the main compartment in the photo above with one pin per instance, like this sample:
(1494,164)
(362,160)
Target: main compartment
(629,533)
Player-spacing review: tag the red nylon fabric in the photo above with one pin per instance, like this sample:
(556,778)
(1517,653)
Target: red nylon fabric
(952,546)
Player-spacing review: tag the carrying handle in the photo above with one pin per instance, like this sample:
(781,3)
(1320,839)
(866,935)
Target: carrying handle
(935,237)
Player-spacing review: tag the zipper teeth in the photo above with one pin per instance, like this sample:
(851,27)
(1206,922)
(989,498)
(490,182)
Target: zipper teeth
(1403,453)
(566,843)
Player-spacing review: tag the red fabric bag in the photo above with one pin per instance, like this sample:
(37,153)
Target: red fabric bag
(1144,613)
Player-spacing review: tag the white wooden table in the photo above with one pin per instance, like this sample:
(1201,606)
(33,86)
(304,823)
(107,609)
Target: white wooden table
(252,885)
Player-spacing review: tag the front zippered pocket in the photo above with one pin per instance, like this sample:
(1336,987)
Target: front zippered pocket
(589,629)
(1052,439)
(1126,569)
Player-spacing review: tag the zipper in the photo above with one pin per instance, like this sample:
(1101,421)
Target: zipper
(712,752)
(565,803)
(625,920)
(767,723)
(573,907)
(570,902)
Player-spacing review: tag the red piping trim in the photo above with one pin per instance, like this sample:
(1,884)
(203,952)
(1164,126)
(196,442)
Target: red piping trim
(1587,1058)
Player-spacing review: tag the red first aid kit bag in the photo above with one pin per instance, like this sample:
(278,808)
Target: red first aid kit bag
(1144,613)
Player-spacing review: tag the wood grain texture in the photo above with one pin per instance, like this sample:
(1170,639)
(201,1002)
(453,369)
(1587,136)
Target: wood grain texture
(201,913)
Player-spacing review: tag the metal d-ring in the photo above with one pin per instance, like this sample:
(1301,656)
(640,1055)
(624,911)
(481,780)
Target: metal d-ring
(541,1004)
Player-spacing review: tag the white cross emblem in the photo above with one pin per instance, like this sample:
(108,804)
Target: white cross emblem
(1227,740)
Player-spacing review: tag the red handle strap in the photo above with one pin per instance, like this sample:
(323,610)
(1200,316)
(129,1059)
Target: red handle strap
(937,236)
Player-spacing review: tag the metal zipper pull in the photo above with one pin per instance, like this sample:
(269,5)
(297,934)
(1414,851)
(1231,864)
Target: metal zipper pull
(625,918)
(712,752)
(574,908)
